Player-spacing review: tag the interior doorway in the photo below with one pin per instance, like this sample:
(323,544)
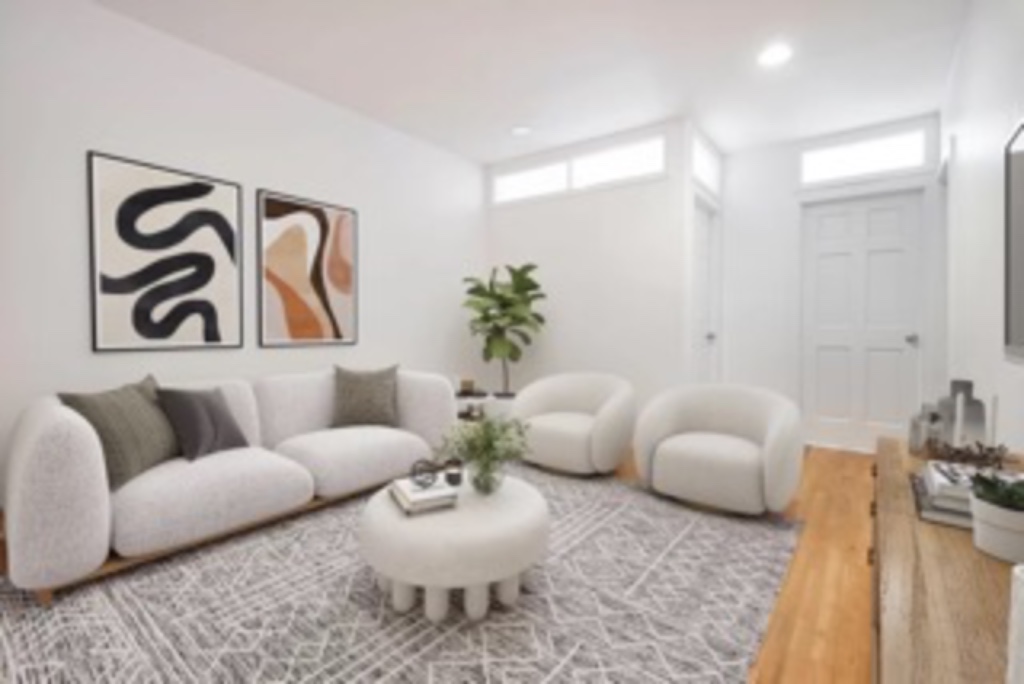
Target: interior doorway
(707,293)
(862,291)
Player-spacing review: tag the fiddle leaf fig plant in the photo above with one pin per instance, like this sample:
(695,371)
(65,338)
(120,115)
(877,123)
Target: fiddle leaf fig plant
(503,314)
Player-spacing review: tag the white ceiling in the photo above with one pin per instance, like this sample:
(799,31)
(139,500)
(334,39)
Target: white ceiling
(462,73)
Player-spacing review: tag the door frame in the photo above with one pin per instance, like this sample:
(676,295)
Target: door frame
(703,201)
(932,270)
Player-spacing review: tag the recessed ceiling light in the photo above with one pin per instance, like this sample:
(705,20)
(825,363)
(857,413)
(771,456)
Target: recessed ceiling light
(775,55)
(522,131)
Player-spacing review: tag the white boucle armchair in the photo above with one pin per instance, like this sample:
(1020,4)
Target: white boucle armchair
(577,422)
(731,447)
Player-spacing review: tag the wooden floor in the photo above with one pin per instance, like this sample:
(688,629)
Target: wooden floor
(820,630)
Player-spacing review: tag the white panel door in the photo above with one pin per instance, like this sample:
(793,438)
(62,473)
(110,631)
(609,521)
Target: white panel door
(707,284)
(861,294)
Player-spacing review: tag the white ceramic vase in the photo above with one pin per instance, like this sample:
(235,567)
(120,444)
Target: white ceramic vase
(998,531)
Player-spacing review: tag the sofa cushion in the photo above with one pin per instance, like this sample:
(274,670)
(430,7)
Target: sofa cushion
(348,460)
(202,421)
(711,469)
(561,441)
(366,397)
(132,428)
(294,404)
(181,502)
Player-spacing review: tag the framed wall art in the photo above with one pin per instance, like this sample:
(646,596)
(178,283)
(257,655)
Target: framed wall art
(308,272)
(166,257)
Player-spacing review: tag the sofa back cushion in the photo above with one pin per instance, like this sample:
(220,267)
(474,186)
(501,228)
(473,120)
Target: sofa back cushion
(294,404)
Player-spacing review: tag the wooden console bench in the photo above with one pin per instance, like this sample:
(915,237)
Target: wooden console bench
(940,605)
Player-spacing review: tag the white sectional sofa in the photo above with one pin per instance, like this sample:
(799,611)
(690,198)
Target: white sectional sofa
(63,523)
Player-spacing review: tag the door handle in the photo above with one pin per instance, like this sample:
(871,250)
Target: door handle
(913,339)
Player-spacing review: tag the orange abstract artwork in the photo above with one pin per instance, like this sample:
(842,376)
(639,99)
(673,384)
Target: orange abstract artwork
(308,263)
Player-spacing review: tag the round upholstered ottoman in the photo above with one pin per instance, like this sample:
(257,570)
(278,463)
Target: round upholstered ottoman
(484,540)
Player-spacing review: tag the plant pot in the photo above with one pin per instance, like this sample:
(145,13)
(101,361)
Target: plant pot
(485,479)
(998,531)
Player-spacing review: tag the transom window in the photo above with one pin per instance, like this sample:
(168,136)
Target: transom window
(622,162)
(874,157)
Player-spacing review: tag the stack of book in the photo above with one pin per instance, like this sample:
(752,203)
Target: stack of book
(413,499)
(943,493)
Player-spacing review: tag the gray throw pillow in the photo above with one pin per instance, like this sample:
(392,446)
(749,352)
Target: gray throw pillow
(202,421)
(132,428)
(366,397)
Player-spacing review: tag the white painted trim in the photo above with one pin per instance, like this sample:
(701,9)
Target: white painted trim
(704,196)
(701,186)
(905,182)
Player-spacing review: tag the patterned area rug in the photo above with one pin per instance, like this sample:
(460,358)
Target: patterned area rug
(636,589)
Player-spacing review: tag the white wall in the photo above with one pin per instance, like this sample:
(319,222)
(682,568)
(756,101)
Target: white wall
(74,77)
(763,203)
(985,102)
(612,263)
(761,301)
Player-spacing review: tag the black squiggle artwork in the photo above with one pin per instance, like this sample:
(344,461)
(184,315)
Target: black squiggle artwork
(197,269)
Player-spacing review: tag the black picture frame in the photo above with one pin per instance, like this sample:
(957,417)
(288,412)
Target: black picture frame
(265,341)
(1013,235)
(99,230)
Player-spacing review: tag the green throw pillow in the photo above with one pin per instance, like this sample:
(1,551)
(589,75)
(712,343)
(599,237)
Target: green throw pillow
(133,429)
(366,397)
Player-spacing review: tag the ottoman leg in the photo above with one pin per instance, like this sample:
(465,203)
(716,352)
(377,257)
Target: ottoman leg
(403,596)
(508,591)
(477,598)
(435,603)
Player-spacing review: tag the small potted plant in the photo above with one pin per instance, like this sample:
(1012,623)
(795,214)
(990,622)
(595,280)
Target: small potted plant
(485,446)
(997,506)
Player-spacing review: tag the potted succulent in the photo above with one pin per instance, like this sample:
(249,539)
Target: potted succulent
(485,446)
(997,506)
(503,315)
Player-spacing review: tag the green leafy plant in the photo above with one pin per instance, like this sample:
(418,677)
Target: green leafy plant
(504,315)
(485,446)
(999,491)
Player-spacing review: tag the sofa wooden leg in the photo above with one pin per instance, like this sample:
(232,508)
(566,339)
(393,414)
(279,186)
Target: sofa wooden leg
(45,598)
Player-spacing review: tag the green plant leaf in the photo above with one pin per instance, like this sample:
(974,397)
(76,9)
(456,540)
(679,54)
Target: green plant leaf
(523,337)
(999,492)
